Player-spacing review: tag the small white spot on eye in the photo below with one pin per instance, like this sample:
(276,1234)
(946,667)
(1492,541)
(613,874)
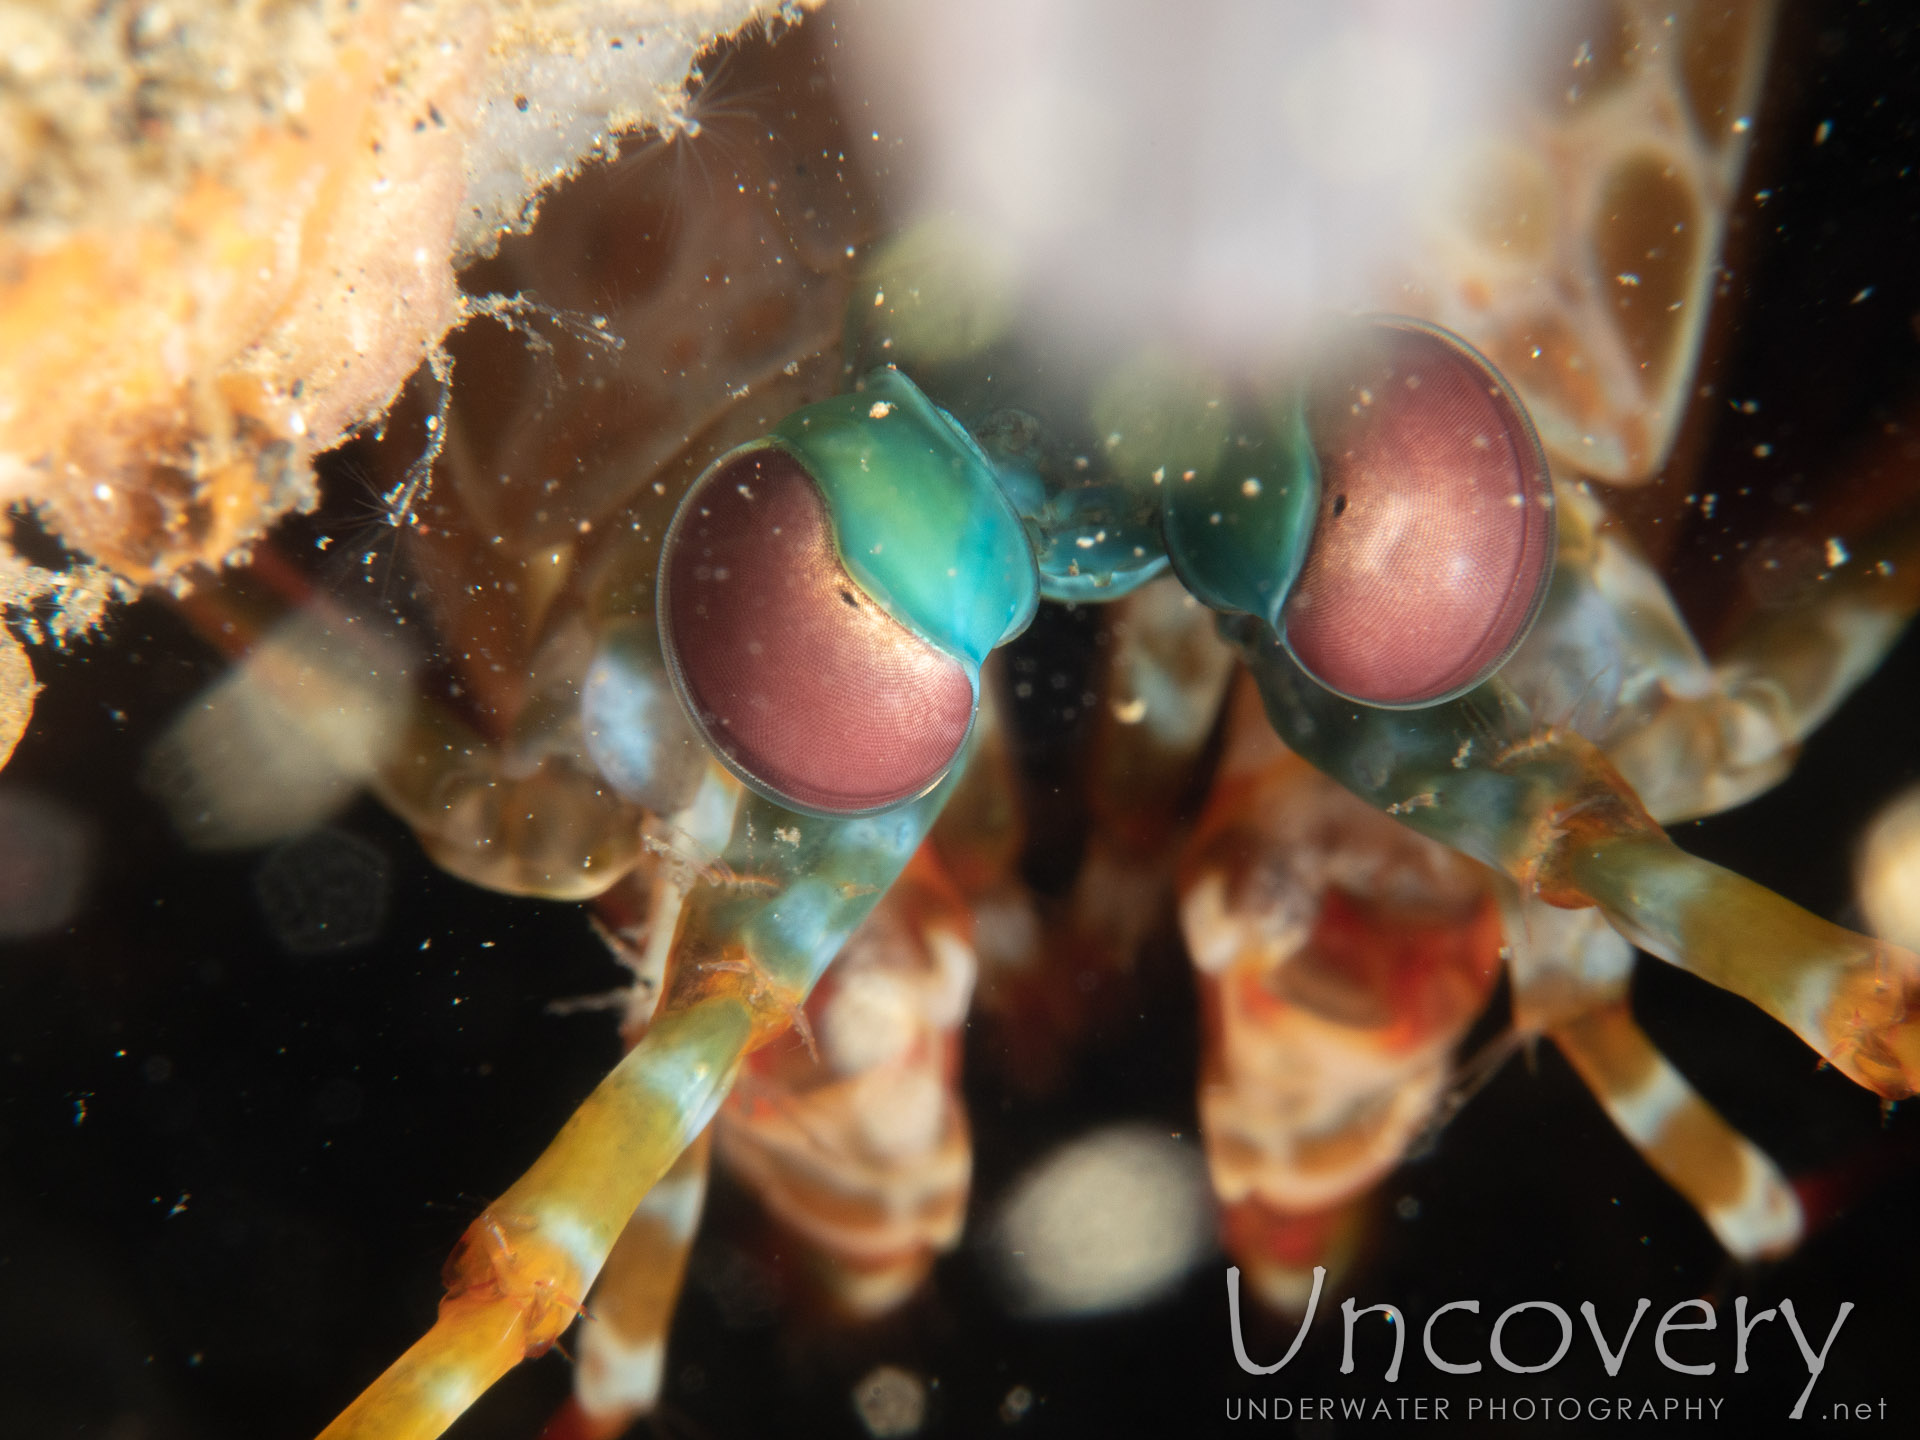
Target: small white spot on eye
(103,492)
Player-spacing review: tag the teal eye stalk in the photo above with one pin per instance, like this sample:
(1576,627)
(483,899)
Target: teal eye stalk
(827,596)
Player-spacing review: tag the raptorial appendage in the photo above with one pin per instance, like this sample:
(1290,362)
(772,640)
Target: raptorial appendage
(857,1139)
(1341,958)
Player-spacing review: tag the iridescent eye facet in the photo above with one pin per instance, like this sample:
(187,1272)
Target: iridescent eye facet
(1434,540)
(806,687)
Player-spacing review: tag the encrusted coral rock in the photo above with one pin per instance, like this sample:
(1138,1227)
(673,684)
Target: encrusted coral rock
(231,234)
(17,689)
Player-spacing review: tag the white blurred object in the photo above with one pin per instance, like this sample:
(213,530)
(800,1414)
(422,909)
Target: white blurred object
(1231,169)
(891,1402)
(287,738)
(1888,875)
(1107,1222)
(1552,182)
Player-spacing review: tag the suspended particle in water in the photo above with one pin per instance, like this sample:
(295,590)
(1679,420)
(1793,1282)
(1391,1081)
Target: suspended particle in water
(891,1402)
(1109,1221)
(323,892)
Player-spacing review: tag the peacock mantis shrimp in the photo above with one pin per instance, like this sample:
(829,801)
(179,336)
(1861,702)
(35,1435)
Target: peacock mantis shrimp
(1340,954)
(756,766)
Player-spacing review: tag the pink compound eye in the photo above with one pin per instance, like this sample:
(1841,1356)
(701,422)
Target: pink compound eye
(809,691)
(1434,541)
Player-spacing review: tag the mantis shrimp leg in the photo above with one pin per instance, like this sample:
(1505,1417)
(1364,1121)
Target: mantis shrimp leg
(621,1360)
(1168,676)
(1694,737)
(1570,975)
(868,1162)
(745,958)
(621,1357)
(1546,807)
(1047,968)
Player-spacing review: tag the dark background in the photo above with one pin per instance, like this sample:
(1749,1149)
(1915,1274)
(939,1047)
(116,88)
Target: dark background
(278,1150)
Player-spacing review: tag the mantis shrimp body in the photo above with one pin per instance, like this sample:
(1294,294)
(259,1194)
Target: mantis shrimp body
(1377,536)
(767,674)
